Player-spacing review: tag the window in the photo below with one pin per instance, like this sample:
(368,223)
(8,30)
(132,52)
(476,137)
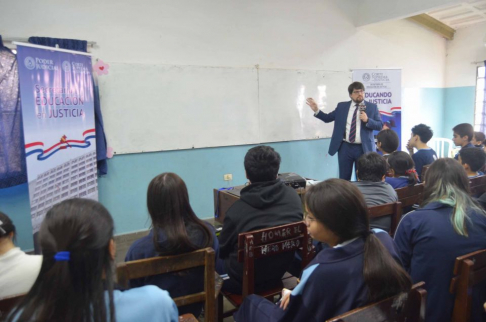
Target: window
(479,111)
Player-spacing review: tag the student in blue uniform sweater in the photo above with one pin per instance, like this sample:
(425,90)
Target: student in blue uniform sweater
(473,161)
(462,135)
(448,225)
(359,267)
(478,140)
(425,155)
(75,282)
(402,170)
(175,230)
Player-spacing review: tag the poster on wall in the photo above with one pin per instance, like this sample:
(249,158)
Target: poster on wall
(56,91)
(383,87)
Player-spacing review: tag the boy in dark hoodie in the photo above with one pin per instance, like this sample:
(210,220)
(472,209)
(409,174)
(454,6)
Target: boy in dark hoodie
(265,203)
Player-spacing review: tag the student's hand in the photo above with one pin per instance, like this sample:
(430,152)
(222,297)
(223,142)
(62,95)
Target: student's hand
(363,117)
(313,105)
(285,298)
(409,148)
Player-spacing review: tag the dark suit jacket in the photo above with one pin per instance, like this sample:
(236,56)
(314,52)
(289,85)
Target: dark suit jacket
(340,116)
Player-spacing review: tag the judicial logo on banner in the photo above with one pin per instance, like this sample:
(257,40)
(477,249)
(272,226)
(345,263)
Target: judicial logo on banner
(56,90)
(383,87)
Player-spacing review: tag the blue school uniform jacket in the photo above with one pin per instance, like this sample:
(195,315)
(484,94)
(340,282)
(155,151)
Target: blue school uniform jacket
(428,246)
(397,183)
(331,284)
(177,284)
(423,157)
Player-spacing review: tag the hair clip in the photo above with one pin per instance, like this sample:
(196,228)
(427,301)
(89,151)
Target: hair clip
(1,229)
(62,256)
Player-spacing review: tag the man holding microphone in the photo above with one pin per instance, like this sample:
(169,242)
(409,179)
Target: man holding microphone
(355,122)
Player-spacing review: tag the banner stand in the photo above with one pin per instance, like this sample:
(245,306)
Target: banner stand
(56,90)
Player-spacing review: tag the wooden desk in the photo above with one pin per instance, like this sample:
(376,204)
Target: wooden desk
(224,199)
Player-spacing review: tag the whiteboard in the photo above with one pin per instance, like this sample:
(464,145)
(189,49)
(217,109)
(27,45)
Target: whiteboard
(285,115)
(162,107)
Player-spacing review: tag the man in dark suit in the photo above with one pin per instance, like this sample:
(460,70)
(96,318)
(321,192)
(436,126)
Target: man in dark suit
(353,132)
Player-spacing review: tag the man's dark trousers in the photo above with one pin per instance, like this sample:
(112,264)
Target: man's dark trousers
(348,154)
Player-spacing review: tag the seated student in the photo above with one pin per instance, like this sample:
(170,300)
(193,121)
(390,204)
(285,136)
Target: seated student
(402,170)
(478,140)
(387,142)
(360,266)
(370,170)
(472,160)
(266,202)
(175,230)
(448,225)
(75,282)
(463,134)
(421,134)
(18,270)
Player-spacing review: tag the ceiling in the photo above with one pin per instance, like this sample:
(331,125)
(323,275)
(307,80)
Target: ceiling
(461,15)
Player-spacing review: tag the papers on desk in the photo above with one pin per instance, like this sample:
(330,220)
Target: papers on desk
(310,182)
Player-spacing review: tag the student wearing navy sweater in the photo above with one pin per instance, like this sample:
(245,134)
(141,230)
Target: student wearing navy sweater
(472,160)
(402,170)
(449,224)
(175,230)
(421,134)
(462,135)
(478,140)
(359,267)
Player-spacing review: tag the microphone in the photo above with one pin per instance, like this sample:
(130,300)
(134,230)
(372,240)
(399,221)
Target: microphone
(362,107)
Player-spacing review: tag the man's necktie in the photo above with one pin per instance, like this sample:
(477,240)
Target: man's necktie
(352,131)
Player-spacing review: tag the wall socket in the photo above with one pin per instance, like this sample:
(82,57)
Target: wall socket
(228,177)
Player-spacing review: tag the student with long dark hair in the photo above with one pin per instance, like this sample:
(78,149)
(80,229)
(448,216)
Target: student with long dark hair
(75,282)
(18,271)
(175,230)
(402,170)
(448,224)
(359,267)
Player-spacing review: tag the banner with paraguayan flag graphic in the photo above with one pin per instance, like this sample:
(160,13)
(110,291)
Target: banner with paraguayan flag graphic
(56,89)
(383,87)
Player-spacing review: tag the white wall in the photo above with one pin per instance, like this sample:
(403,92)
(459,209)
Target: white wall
(311,34)
(275,34)
(468,46)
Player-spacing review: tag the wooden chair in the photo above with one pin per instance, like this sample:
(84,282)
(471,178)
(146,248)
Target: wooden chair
(166,264)
(410,196)
(8,303)
(469,270)
(265,243)
(389,209)
(391,309)
(477,185)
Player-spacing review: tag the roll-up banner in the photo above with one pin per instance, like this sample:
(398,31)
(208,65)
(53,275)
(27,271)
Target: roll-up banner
(56,89)
(383,87)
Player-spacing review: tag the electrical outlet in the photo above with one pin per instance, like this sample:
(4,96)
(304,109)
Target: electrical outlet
(228,177)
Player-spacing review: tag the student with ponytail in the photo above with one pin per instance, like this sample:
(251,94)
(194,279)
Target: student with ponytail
(175,230)
(359,267)
(75,282)
(402,170)
(448,224)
